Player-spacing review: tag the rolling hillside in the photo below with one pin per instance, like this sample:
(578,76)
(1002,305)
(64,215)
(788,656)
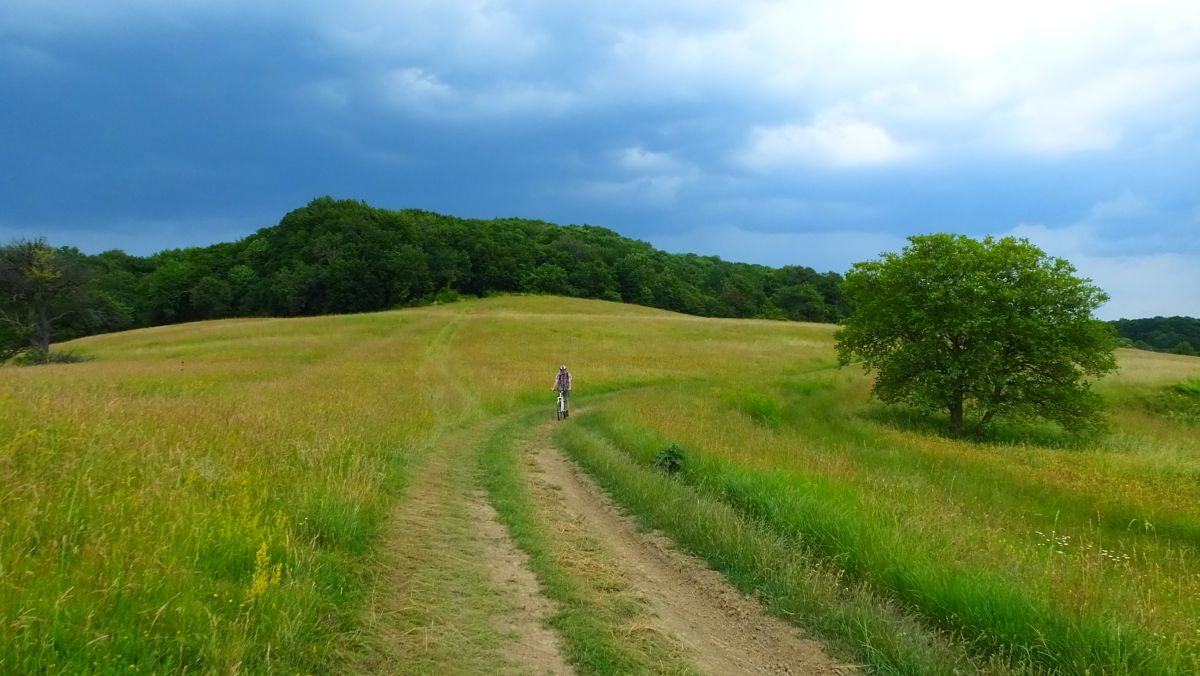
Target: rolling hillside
(389,493)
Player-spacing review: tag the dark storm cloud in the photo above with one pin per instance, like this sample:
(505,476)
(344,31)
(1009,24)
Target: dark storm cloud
(776,132)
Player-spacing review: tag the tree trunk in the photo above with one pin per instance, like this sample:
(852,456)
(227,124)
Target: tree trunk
(41,336)
(987,418)
(956,415)
(997,397)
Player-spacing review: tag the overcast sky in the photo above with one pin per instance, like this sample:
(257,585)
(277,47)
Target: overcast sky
(774,132)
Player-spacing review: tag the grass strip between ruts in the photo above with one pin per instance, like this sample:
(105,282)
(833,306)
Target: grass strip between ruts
(593,628)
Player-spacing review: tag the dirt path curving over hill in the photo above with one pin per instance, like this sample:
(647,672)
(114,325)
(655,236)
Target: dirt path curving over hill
(722,631)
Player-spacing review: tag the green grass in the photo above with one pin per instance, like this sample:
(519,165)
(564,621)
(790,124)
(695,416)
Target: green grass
(149,493)
(902,520)
(1188,387)
(139,492)
(778,570)
(1179,402)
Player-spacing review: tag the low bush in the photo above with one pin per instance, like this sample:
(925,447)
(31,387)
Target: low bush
(670,460)
(31,357)
(1181,402)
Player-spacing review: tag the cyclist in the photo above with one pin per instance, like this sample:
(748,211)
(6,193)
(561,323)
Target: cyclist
(562,383)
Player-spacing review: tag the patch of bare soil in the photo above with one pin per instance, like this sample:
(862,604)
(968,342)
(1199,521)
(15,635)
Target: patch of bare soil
(723,631)
(534,646)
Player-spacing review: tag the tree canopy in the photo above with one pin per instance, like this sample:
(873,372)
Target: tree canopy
(44,290)
(978,329)
(335,256)
(1180,335)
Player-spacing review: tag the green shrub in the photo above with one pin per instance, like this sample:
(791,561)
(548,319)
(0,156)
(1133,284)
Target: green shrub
(1181,402)
(670,459)
(32,357)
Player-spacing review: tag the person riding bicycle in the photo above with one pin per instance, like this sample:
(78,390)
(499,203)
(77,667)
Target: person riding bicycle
(562,383)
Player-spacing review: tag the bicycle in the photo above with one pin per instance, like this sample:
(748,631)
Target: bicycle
(561,411)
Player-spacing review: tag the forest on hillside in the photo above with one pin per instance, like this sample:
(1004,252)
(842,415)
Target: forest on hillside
(339,256)
(1180,335)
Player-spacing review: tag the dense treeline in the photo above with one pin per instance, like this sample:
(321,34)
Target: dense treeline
(336,256)
(1180,335)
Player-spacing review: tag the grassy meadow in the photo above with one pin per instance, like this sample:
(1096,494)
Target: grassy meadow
(214,497)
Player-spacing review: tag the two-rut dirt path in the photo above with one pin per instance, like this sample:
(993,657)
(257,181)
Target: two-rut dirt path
(720,630)
(453,594)
(458,596)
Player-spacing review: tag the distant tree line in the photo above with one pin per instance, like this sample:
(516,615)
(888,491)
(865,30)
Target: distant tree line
(1180,335)
(339,256)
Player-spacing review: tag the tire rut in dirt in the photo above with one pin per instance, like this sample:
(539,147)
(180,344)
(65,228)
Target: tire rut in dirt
(453,594)
(723,631)
(534,646)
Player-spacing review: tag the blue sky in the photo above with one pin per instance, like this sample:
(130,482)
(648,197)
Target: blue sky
(775,132)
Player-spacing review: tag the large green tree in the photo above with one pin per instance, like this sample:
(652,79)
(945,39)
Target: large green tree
(978,329)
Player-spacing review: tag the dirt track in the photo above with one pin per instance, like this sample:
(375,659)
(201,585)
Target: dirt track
(535,646)
(722,631)
(455,592)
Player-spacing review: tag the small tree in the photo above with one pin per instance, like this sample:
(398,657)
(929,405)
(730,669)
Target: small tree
(978,329)
(38,287)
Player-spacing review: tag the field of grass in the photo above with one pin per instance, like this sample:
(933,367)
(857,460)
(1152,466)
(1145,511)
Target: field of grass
(216,497)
